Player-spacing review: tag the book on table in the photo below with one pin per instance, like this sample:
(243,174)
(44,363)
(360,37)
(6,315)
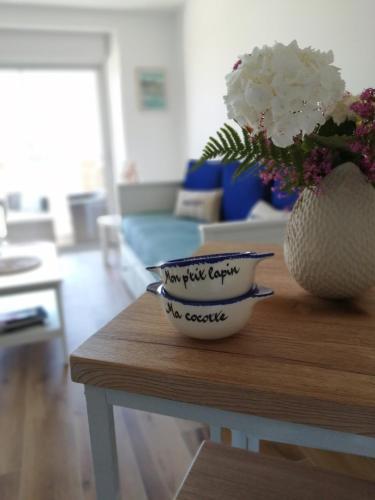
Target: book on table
(15,320)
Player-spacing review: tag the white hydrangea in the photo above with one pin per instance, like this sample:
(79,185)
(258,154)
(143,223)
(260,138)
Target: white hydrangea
(342,112)
(283,90)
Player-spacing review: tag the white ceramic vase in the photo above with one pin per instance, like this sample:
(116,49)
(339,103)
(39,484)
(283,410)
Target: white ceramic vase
(330,238)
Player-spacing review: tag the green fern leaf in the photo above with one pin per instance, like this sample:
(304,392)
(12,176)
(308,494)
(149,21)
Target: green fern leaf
(235,137)
(230,139)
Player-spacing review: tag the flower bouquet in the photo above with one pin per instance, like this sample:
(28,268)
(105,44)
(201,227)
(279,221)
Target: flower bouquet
(301,128)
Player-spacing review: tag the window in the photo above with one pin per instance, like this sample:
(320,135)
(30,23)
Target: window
(50,138)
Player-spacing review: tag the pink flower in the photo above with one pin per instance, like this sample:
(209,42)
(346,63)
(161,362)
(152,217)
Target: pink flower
(236,65)
(363,109)
(317,165)
(361,129)
(365,106)
(368,95)
(356,147)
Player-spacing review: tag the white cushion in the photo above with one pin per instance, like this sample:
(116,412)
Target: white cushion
(264,211)
(199,205)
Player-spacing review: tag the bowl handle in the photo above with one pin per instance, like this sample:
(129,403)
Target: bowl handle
(262,292)
(264,255)
(154,269)
(154,287)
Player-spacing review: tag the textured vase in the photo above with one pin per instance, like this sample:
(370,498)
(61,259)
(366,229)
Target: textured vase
(330,238)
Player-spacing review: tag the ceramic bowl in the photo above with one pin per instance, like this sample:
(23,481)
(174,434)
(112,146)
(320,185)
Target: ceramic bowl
(209,320)
(210,277)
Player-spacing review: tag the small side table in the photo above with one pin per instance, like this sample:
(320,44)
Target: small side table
(108,226)
(41,286)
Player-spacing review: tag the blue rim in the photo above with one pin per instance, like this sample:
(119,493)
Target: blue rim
(255,292)
(212,259)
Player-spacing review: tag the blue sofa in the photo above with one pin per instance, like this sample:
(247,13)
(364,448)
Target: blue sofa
(152,234)
(160,236)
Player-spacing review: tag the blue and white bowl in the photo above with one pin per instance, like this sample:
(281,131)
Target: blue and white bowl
(209,320)
(210,277)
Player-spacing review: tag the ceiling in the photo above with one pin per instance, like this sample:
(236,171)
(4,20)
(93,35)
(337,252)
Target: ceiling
(100,4)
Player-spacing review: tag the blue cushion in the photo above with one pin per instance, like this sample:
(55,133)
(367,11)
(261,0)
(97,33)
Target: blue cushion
(158,237)
(240,194)
(280,200)
(207,176)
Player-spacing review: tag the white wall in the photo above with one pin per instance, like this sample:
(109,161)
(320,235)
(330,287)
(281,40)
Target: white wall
(217,31)
(152,139)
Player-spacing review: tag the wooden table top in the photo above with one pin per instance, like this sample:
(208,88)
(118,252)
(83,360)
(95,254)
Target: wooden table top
(300,359)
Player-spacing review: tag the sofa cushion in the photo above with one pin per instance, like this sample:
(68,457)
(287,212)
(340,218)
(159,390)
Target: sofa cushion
(280,200)
(203,206)
(264,211)
(207,176)
(160,236)
(240,194)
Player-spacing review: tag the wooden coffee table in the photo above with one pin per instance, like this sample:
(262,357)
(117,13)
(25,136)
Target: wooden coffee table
(302,372)
(40,286)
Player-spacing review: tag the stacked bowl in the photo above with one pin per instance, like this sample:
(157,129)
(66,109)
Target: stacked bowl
(209,296)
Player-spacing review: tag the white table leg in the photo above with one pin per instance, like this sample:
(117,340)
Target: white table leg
(104,243)
(253,444)
(215,434)
(244,441)
(103,443)
(239,439)
(60,308)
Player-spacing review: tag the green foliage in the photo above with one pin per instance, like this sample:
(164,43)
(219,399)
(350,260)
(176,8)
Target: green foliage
(329,128)
(230,145)
(300,165)
(335,142)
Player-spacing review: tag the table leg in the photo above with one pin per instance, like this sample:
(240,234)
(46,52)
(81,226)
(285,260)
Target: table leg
(104,243)
(239,439)
(215,434)
(103,443)
(60,308)
(253,444)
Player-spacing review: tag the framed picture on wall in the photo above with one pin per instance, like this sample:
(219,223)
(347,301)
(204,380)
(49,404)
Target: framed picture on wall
(151,84)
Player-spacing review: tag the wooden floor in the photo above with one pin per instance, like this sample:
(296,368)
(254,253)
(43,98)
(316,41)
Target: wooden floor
(44,444)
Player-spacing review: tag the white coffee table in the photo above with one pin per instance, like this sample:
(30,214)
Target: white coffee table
(38,287)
